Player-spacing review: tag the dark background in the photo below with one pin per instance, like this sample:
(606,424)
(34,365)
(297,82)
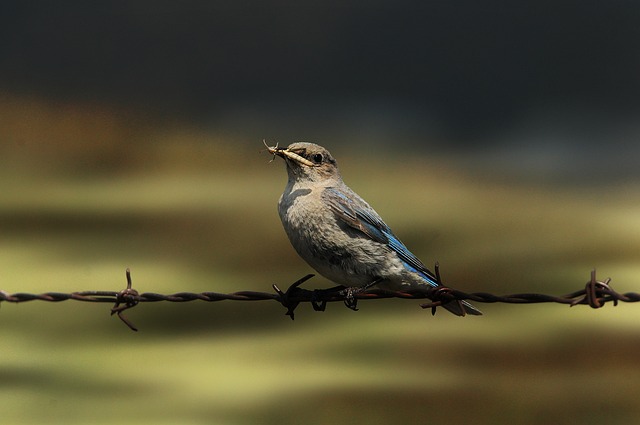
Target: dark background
(447,75)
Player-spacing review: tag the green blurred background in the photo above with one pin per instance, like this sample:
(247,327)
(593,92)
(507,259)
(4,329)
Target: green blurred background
(130,136)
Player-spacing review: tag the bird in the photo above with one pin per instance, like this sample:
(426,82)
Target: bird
(339,234)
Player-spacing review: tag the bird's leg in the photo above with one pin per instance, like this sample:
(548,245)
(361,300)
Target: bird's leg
(349,293)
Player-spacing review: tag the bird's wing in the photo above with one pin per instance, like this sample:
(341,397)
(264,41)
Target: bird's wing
(355,212)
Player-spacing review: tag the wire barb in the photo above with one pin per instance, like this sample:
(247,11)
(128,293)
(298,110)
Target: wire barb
(595,294)
(128,297)
(294,296)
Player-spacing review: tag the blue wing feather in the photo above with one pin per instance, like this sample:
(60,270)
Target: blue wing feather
(358,214)
(355,212)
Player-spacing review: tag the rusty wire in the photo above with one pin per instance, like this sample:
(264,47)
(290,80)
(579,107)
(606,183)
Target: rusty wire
(595,294)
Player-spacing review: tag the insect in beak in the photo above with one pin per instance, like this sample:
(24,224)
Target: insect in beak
(284,152)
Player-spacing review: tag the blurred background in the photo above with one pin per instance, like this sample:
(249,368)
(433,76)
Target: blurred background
(131,136)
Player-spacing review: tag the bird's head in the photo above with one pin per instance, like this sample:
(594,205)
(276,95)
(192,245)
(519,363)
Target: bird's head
(307,162)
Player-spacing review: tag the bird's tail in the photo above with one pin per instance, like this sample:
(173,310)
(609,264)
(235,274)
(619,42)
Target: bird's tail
(462,308)
(457,307)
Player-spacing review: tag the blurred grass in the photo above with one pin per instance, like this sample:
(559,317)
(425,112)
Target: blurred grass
(88,191)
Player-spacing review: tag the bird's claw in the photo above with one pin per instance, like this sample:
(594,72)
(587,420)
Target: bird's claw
(350,299)
(350,293)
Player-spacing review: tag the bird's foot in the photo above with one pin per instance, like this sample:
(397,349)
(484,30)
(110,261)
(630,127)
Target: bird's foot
(350,293)
(350,299)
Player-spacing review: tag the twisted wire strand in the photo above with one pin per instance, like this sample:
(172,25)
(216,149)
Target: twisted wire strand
(595,294)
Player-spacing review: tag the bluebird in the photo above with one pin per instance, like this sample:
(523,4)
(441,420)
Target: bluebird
(338,234)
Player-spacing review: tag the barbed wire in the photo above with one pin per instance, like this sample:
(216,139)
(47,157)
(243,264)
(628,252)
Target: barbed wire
(595,294)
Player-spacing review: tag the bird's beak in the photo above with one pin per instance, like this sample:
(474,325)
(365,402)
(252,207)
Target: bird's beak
(286,153)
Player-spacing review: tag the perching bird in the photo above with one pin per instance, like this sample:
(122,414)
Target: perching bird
(339,234)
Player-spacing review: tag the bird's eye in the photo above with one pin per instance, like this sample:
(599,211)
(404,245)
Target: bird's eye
(317,158)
